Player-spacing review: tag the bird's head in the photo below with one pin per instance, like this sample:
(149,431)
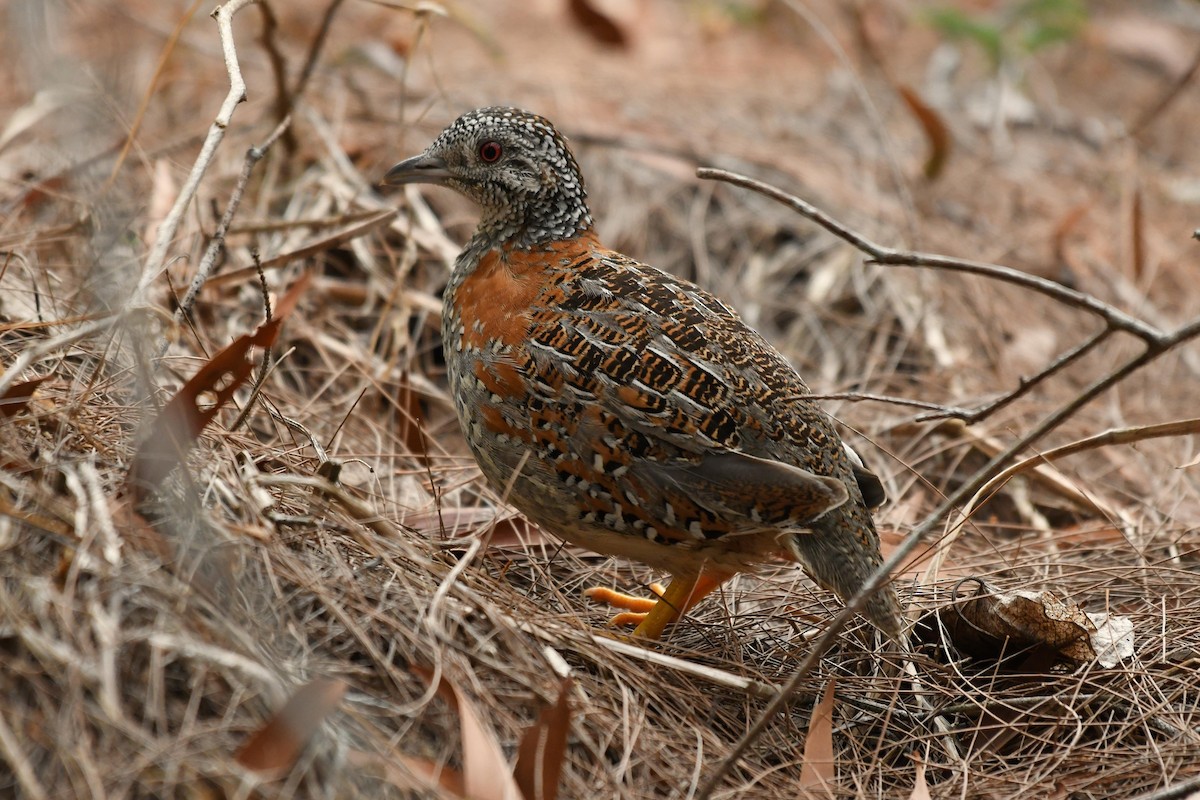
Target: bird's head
(515,165)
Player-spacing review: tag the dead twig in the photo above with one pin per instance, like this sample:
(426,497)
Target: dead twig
(1181,427)
(165,235)
(1113,317)
(209,260)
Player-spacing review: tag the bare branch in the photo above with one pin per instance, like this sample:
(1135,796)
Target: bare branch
(1113,317)
(253,156)
(165,234)
(1181,427)
(971,416)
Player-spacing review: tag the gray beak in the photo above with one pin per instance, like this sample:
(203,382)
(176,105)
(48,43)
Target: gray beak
(418,169)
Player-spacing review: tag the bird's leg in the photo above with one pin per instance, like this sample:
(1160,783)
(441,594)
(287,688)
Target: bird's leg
(653,616)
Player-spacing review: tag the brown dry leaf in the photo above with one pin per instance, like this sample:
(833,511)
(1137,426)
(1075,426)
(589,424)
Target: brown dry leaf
(439,775)
(819,768)
(993,622)
(274,748)
(429,774)
(935,130)
(183,418)
(486,775)
(543,748)
(17,396)
(597,24)
(1137,236)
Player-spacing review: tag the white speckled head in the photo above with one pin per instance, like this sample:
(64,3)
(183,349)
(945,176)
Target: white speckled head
(516,166)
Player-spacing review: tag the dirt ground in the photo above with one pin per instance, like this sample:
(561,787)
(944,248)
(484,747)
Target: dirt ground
(329,540)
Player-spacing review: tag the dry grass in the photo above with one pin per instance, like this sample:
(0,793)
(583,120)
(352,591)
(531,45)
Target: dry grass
(141,650)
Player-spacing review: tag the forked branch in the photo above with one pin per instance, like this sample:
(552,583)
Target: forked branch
(1114,318)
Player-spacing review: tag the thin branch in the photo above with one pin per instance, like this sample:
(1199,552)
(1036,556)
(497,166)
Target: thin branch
(1179,791)
(1113,317)
(283,100)
(1180,427)
(936,410)
(1024,385)
(209,260)
(1155,111)
(314,53)
(165,235)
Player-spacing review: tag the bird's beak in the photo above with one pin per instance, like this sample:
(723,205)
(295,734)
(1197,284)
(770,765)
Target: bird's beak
(418,169)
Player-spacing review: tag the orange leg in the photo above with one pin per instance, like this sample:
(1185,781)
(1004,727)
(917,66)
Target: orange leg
(653,616)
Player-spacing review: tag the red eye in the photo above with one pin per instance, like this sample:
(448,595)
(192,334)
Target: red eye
(490,152)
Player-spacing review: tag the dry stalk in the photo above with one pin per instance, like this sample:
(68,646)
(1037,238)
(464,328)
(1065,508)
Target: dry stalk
(209,260)
(165,234)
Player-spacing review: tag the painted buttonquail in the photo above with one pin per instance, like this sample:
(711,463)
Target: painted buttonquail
(643,418)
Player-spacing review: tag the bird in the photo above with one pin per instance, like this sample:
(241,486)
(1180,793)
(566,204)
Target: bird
(624,409)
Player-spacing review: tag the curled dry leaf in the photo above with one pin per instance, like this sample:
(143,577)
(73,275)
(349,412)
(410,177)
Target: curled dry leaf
(185,416)
(935,130)
(597,24)
(275,747)
(994,623)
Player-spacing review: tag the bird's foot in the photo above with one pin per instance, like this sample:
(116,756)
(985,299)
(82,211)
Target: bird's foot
(653,616)
(636,608)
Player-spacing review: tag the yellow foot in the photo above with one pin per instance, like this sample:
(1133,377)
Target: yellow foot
(652,616)
(636,608)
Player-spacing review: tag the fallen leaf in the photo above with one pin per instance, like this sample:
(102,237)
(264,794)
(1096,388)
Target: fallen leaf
(486,775)
(543,748)
(819,769)
(994,623)
(1112,640)
(185,416)
(275,747)
(920,787)
(437,774)
(597,24)
(936,132)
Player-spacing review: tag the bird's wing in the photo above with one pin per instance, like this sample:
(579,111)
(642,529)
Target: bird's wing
(697,407)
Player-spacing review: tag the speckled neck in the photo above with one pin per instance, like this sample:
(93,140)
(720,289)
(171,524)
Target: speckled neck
(556,212)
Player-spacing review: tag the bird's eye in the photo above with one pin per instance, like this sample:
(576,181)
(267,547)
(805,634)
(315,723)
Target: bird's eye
(490,152)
